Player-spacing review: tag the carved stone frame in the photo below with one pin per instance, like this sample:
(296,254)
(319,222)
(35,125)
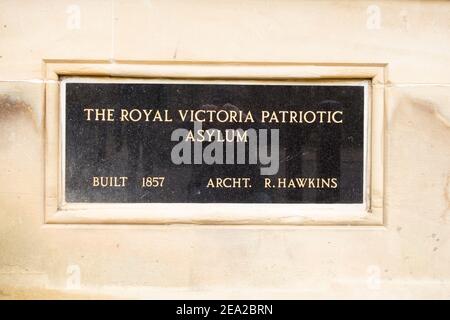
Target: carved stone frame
(217,214)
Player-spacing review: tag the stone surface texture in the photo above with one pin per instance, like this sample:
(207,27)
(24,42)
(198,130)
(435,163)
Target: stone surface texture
(408,257)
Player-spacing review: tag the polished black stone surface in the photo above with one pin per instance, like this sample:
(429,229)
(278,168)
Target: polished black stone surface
(143,149)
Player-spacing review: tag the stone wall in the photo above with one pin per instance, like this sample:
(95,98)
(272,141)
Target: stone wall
(408,257)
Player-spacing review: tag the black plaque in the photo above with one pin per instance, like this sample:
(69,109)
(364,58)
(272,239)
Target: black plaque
(111,155)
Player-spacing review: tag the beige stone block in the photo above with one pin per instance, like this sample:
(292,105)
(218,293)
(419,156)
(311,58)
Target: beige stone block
(408,257)
(418,178)
(411,37)
(32,31)
(21,118)
(21,182)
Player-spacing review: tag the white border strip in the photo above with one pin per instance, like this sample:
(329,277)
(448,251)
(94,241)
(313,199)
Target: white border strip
(217,211)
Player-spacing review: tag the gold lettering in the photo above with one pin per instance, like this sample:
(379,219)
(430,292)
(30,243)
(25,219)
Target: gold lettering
(229,182)
(88,113)
(99,114)
(334,116)
(109,181)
